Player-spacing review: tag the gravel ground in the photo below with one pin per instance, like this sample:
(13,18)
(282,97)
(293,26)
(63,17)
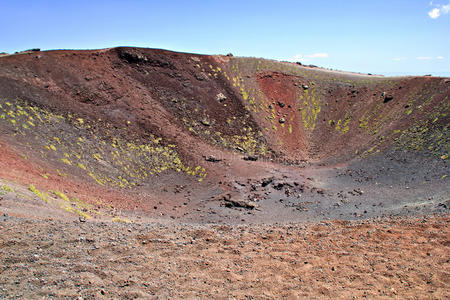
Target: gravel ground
(383,258)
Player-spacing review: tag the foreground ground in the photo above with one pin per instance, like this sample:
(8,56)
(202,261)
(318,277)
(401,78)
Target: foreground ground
(384,258)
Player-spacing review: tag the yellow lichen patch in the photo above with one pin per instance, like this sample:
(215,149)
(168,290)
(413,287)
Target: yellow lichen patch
(7,188)
(76,211)
(426,135)
(101,158)
(66,161)
(340,125)
(97,156)
(121,220)
(38,193)
(310,108)
(61,195)
(62,174)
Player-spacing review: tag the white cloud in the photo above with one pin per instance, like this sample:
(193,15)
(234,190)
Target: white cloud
(439,11)
(445,9)
(434,13)
(300,57)
(439,57)
(399,58)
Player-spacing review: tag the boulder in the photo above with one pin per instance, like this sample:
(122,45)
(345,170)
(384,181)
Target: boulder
(250,158)
(387,98)
(211,158)
(132,57)
(266,181)
(200,77)
(205,122)
(237,203)
(221,97)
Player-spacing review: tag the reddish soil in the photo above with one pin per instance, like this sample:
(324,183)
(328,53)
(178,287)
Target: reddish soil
(384,259)
(133,138)
(282,95)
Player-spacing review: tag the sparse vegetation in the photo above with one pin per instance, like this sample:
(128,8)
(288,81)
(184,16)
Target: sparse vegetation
(87,152)
(38,193)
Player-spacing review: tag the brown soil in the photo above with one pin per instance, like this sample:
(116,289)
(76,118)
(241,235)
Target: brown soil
(384,259)
(127,138)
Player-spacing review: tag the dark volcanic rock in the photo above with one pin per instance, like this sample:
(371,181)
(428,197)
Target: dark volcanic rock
(211,158)
(250,158)
(388,98)
(237,203)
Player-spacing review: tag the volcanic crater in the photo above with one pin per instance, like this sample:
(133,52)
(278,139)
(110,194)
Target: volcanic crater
(136,136)
(202,138)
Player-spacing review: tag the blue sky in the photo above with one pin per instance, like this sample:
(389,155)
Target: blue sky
(386,37)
